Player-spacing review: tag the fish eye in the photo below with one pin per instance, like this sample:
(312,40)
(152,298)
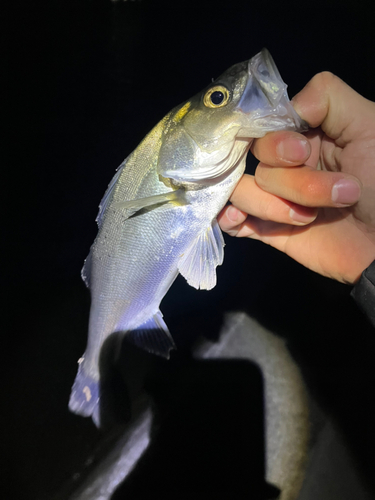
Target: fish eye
(216,97)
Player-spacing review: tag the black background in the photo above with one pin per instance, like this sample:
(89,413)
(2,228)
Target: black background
(87,80)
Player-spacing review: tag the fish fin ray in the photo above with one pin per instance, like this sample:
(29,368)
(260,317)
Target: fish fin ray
(107,195)
(140,203)
(153,336)
(86,270)
(199,262)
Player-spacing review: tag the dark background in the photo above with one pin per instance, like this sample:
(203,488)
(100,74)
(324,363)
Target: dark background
(87,80)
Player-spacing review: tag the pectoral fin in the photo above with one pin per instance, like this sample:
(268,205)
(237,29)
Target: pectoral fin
(140,203)
(199,262)
(153,336)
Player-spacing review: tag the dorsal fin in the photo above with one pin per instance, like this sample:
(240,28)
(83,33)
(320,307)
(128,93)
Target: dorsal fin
(105,200)
(86,269)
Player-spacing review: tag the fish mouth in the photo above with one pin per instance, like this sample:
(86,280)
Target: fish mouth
(264,72)
(265,99)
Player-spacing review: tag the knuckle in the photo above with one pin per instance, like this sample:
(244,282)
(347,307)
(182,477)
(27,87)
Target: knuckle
(325,76)
(263,209)
(309,192)
(262,176)
(325,80)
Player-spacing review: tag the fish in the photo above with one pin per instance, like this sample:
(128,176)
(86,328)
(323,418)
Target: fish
(158,215)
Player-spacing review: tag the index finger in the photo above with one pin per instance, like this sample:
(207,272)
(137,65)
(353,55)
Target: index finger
(329,102)
(282,149)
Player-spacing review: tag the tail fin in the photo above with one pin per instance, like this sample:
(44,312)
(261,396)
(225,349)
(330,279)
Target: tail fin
(85,396)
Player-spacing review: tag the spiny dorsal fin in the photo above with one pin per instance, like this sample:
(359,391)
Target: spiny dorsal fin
(86,269)
(104,202)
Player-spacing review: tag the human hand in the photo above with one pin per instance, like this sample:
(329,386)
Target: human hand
(313,196)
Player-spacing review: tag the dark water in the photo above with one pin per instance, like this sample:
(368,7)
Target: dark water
(87,80)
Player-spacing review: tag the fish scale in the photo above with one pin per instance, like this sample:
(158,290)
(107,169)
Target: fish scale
(158,215)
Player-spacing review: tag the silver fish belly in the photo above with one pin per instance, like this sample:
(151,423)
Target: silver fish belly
(158,216)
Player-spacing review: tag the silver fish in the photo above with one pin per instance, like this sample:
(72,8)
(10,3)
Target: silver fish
(158,215)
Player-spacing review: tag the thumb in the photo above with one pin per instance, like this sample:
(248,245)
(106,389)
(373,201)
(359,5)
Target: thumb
(329,102)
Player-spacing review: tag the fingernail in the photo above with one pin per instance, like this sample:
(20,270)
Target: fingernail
(232,213)
(300,218)
(293,149)
(346,192)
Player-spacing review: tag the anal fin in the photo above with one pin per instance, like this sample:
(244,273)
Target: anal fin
(153,336)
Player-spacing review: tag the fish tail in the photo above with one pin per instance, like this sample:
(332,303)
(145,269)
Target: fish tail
(85,396)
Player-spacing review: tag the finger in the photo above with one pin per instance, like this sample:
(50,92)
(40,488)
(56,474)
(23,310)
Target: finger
(282,149)
(231,220)
(248,198)
(328,101)
(309,187)
(314,137)
(236,222)
(270,233)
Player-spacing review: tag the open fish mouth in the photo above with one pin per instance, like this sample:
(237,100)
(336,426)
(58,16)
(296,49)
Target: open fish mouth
(265,97)
(264,72)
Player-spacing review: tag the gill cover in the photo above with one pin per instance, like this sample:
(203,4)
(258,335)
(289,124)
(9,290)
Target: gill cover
(182,160)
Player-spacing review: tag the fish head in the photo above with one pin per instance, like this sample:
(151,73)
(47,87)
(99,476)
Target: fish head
(206,135)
